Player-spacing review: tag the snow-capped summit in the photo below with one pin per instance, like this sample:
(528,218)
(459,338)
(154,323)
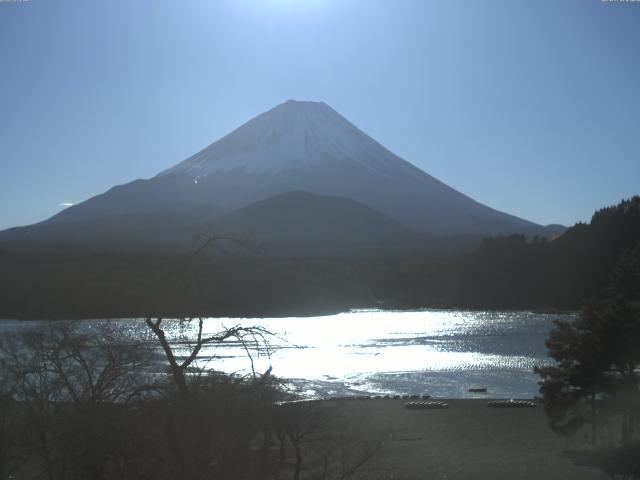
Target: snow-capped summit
(293,135)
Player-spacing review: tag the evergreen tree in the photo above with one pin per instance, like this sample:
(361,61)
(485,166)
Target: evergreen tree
(596,379)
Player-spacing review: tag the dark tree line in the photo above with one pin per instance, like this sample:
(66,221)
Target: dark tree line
(62,286)
(502,273)
(513,272)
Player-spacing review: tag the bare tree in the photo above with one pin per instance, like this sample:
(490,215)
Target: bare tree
(67,383)
(252,336)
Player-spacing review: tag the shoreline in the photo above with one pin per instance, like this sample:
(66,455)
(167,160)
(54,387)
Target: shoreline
(296,313)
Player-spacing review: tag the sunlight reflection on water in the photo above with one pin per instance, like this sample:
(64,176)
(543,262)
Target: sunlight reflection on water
(437,352)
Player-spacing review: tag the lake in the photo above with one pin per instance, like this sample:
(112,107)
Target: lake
(437,352)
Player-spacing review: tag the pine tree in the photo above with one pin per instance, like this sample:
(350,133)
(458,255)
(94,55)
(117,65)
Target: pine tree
(596,379)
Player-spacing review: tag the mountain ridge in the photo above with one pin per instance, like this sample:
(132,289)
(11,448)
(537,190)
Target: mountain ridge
(301,146)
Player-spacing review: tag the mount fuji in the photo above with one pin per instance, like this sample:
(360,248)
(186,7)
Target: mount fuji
(298,146)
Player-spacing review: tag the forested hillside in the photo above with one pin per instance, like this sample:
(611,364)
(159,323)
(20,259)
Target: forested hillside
(512,272)
(503,273)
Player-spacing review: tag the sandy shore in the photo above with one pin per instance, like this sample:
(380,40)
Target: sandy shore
(468,440)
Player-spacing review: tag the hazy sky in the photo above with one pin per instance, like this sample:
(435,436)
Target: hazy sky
(531,107)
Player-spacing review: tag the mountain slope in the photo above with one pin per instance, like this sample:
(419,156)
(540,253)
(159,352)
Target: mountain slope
(296,146)
(122,232)
(304,146)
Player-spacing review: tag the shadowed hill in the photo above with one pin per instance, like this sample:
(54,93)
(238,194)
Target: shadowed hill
(300,223)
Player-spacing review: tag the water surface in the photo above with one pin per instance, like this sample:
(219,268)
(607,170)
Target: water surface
(436,352)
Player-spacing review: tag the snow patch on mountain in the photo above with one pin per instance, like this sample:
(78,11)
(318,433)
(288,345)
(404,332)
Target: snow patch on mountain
(293,135)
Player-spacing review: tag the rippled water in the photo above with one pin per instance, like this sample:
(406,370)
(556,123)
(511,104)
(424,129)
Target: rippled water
(436,352)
